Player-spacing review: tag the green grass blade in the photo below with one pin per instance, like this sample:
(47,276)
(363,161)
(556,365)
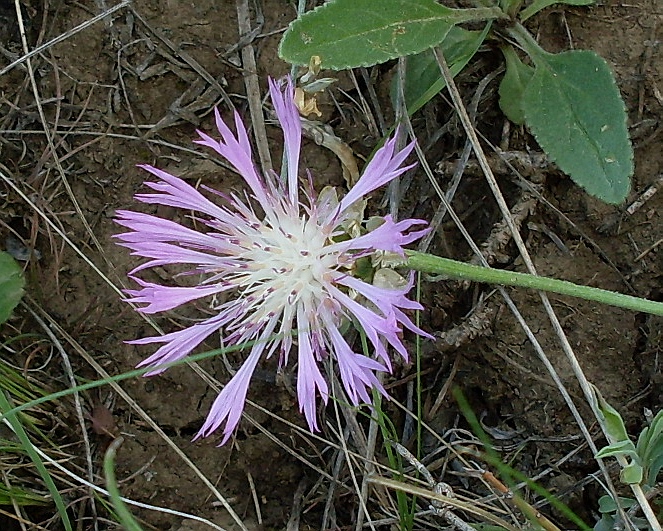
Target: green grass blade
(17,427)
(122,512)
(509,475)
(127,375)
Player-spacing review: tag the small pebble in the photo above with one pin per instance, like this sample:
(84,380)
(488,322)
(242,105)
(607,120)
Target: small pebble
(19,251)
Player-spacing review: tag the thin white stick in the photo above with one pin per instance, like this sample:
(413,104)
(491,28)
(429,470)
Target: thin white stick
(77,403)
(92,486)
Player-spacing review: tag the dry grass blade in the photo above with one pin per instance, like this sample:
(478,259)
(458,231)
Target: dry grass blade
(186,57)
(154,71)
(470,508)
(96,488)
(78,407)
(253,88)
(12,183)
(64,36)
(49,136)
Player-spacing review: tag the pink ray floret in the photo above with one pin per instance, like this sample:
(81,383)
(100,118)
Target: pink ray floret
(285,273)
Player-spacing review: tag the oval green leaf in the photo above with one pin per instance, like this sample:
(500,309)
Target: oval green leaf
(11,285)
(352,33)
(513,86)
(574,109)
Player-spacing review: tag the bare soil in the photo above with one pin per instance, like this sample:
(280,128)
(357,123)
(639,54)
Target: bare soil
(130,90)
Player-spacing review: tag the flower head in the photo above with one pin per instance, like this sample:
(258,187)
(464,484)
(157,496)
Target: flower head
(284,264)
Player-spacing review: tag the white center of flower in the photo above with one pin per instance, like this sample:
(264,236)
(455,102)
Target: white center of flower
(287,264)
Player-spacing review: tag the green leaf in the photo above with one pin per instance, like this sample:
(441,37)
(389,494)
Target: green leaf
(625,448)
(651,434)
(574,109)
(631,474)
(653,469)
(351,33)
(513,85)
(620,444)
(422,75)
(611,420)
(538,5)
(605,523)
(650,448)
(607,504)
(11,285)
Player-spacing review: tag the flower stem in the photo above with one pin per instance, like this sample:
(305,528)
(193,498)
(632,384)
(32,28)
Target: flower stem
(427,263)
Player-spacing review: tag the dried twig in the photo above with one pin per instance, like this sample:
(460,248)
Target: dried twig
(645,196)
(195,65)
(478,323)
(493,249)
(64,36)
(530,512)
(295,514)
(253,88)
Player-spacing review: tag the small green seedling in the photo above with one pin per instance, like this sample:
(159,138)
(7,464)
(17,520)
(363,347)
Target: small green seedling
(641,462)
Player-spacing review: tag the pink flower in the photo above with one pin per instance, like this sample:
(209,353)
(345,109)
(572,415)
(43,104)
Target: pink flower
(284,266)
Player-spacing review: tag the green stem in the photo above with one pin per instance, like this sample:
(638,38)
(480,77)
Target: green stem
(476,14)
(511,7)
(528,44)
(427,263)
